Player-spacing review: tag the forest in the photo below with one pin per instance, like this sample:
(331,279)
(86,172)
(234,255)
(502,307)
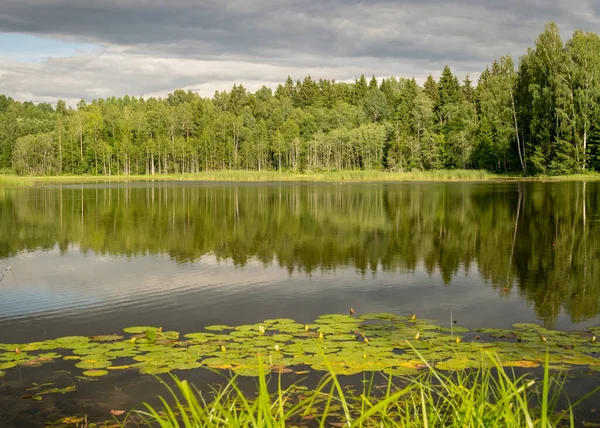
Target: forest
(540,116)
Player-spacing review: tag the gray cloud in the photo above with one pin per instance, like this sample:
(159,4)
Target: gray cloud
(152,46)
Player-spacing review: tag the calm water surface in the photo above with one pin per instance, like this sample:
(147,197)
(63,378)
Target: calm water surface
(94,258)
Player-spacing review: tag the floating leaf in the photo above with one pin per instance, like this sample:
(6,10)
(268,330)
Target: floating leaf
(200,337)
(72,420)
(279,321)
(153,370)
(401,371)
(526,326)
(33,397)
(371,342)
(93,364)
(139,329)
(521,363)
(219,328)
(95,373)
(381,316)
(150,335)
(9,365)
(71,358)
(106,338)
(72,340)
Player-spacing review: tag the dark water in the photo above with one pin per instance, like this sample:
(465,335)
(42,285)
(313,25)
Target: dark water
(92,259)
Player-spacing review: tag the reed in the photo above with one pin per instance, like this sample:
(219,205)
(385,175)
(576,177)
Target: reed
(485,397)
(350,176)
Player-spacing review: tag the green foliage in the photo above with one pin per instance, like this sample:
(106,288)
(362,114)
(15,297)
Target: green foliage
(542,117)
(593,149)
(338,344)
(484,155)
(482,397)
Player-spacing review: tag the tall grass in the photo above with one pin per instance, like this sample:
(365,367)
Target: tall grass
(485,397)
(291,176)
(268,176)
(14,180)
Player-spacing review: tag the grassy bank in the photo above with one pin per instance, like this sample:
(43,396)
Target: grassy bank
(483,397)
(275,176)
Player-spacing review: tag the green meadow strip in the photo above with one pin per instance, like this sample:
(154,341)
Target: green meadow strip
(291,176)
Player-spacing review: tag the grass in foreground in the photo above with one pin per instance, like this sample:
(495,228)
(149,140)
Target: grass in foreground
(486,397)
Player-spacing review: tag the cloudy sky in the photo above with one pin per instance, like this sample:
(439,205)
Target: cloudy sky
(74,49)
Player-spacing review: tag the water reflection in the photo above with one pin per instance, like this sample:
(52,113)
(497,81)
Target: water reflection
(534,239)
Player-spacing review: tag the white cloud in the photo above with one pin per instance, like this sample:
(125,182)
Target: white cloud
(151,47)
(117,72)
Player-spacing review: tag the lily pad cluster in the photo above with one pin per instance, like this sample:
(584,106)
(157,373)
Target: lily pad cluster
(394,344)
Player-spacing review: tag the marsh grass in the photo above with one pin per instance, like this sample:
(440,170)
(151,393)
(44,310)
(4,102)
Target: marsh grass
(14,180)
(483,397)
(266,176)
(290,176)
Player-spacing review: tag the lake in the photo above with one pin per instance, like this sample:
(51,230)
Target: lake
(90,259)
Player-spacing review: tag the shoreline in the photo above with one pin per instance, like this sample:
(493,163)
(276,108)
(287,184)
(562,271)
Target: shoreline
(355,176)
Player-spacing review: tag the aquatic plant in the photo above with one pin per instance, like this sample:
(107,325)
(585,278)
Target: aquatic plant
(393,344)
(482,397)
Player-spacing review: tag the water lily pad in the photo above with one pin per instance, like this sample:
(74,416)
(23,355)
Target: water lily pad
(93,364)
(381,316)
(8,365)
(71,340)
(118,368)
(106,338)
(454,329)
(200,337)
(376,342)
(218,363)
(186,366)
(139,329)
(282,337)
(155,370)
(251,371)
(454,364)
(290,328)
(122,354)
(336,319)
(219,327)
(150,335)
(95,373)
(401,371)
(521,363)
(279,321)
(526,326)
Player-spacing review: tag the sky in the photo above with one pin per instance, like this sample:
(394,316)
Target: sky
(73,49)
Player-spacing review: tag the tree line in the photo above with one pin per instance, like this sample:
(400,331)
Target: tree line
(541,116)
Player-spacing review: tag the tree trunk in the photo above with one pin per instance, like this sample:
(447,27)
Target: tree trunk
(521,155)
(60,145)
(584,147)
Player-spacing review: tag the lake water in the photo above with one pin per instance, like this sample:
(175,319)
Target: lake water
(94,258)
